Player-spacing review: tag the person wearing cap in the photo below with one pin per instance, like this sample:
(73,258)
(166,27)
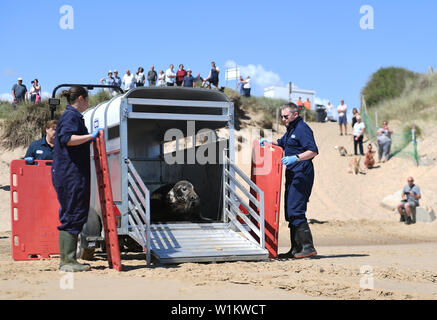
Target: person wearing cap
(109,81)
(42,149)
(188,80)
(152,76)
(410,200)
(359,128)
(19,92)
(35,92)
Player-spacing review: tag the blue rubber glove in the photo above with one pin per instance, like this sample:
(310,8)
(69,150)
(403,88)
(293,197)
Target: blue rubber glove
(29,160)
(289,160)
(262,140)
(95,133)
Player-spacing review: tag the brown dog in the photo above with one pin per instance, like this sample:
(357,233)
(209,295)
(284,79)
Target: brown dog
(354,165)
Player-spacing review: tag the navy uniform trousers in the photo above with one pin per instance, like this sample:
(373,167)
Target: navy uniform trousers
(298,189)
(71,172)
(299,176)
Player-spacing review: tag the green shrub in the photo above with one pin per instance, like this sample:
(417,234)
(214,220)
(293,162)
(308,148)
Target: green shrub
(388,83)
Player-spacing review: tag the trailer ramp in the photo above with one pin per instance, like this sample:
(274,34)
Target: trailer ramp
(238,237)
(207,242)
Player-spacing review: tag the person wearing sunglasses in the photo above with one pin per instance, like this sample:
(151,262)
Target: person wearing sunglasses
(299,150)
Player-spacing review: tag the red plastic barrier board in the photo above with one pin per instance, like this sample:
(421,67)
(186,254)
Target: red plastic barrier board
(34,211)
(107,203)
(266,173)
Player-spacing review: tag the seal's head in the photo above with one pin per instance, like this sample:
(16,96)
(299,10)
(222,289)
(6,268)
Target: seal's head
(182,199)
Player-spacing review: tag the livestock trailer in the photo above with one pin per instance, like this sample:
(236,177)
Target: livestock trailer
(156,136)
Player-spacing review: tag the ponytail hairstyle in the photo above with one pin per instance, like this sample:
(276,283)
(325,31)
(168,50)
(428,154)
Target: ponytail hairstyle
(74,93)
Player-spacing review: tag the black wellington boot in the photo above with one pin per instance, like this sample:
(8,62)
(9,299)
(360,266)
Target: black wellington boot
(294,245)
(304,237)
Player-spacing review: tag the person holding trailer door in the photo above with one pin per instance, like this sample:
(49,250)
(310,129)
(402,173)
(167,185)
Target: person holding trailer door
(71,175)
(299,149)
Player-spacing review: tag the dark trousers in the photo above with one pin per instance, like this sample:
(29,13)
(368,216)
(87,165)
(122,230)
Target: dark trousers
(359,143)
(74,200)
(298,187)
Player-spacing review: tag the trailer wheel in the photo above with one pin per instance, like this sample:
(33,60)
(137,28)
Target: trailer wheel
(86,254)
(82,253)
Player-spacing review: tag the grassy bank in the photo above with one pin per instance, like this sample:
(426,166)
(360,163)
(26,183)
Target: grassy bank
(264,107)
(25,124)
(417,103)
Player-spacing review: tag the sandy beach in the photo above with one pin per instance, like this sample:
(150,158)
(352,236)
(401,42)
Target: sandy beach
(363,250)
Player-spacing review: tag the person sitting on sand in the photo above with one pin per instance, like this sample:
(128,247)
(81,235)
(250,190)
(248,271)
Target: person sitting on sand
(410,200)
(370,160)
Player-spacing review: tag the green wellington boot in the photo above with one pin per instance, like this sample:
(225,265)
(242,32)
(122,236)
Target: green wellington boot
(67,249)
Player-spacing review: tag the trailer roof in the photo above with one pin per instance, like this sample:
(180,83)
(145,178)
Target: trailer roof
(177,93)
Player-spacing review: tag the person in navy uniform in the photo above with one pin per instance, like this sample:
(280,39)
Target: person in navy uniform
(71,175)
(42,149)
(299,150)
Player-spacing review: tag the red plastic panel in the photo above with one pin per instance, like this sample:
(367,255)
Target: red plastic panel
(107,203)
(34,211)
(266,173)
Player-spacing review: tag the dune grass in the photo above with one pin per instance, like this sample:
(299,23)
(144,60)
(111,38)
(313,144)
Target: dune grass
(418,101)
(265,107)
(416,107)
(21,126)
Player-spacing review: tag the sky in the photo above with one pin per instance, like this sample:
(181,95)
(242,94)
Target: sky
(331,47)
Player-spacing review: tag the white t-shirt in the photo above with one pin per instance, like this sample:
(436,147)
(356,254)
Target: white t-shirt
(247,84)
(168,73)
(358,127)
(342,110)
(140,78)
(129,81)
(161,80)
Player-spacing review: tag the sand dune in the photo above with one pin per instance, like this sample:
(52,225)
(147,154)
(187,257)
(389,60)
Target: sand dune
(351,231)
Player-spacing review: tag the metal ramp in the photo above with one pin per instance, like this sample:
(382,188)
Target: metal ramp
(214,242)
(239,237)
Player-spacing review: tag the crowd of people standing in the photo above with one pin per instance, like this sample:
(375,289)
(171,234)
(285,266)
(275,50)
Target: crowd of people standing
(383,133)
(168,78)
(20,93)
